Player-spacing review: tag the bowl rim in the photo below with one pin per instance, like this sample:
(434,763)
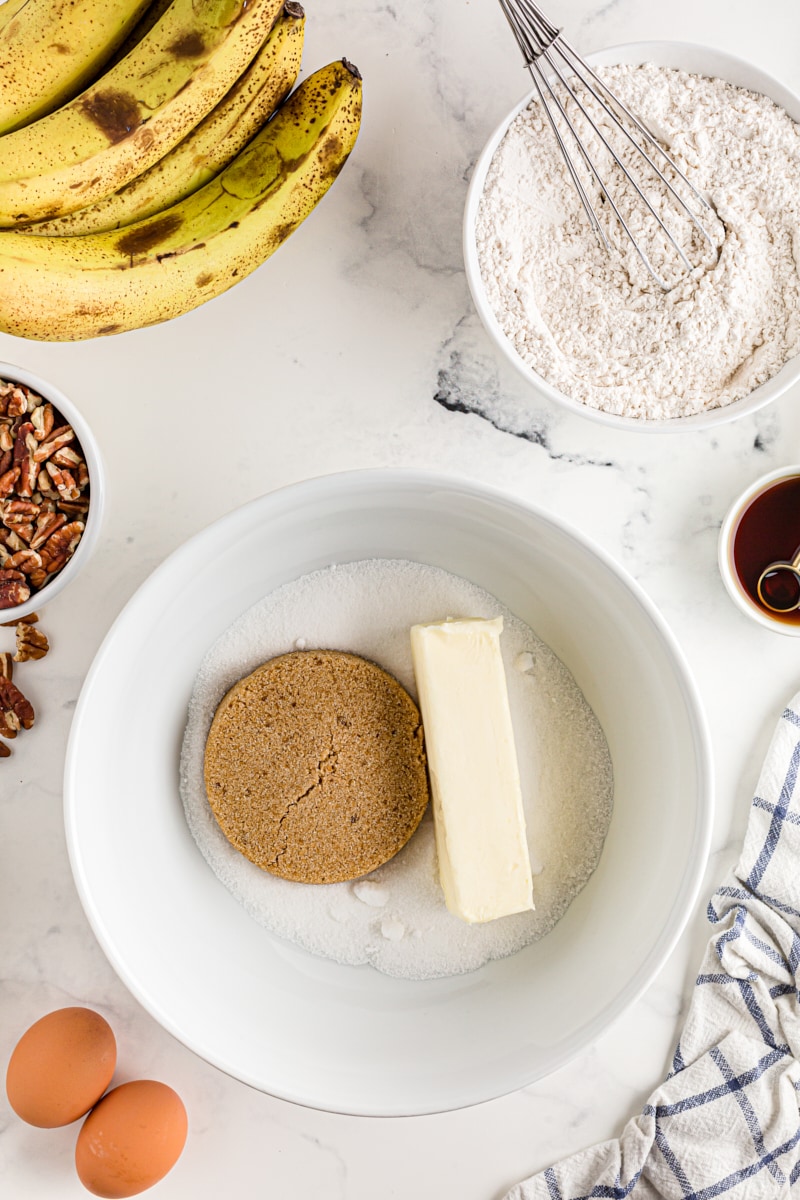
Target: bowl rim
(627,52)
(725,550)
(12,373)
(365,481)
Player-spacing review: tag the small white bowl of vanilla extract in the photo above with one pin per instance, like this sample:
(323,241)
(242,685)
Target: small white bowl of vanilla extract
(759,551)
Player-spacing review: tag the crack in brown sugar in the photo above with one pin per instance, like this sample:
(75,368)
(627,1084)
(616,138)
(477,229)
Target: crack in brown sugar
(332,755)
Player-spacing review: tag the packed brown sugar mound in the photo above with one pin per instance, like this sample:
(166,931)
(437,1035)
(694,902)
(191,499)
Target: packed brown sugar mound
(315,766)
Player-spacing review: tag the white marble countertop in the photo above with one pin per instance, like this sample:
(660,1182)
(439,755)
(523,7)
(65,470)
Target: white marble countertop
(357,346)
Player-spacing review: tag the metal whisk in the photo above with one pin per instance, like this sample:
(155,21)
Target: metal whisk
(541,43)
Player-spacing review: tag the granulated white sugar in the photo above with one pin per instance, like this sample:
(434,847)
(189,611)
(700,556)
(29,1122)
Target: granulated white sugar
(396,918)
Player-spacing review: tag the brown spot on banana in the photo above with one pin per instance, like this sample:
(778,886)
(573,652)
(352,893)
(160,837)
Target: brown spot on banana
(335,167)
(115,113)
(282,232)
(191,45)
(330,151)
(203,280)
(139,241)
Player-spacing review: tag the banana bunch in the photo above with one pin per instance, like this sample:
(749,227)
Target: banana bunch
(178,170)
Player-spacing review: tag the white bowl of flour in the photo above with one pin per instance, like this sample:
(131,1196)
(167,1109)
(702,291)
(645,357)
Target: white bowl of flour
(350,560)
(590,330)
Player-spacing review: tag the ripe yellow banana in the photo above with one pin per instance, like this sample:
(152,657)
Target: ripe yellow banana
(50,50)
(154,12)
(9,9)
(210,146)
(136,112)
(64,289)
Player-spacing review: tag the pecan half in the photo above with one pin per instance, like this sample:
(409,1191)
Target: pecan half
(28,509)
(17,402)
(58,549)
(15,710)
(14,589)
(74,508)
(18,517)
(21,525)
(45,485)
(6,665)
(46,525)
(31,643)
(43,419)
(25,445)
(67,457)
(8,481)
(10,540)
(5,751)
(64,481)
(25,561)
(31,619)
(58,438)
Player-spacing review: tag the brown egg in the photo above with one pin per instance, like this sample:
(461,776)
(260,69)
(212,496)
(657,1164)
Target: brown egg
(131,1139)
(60,1067)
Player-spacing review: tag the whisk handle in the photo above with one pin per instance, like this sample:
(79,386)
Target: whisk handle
(535,34)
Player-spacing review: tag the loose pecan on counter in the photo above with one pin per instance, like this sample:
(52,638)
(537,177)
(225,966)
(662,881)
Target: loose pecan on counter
(31,643)
(16,711)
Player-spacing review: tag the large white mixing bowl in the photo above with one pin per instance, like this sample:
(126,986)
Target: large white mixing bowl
(350,1039)
(701,60)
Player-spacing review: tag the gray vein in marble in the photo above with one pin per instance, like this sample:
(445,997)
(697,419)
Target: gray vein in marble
(469,383)
(639,520)
(767,431)
(599,14)
(339,1163)
(536,435)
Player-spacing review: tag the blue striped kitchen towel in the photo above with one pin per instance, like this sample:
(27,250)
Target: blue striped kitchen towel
(725,1122)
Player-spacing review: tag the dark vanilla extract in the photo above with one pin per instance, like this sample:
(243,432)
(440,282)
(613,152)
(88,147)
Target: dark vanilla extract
(768,530)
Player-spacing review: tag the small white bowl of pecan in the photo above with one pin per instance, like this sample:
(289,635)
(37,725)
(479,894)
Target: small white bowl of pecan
(51,492)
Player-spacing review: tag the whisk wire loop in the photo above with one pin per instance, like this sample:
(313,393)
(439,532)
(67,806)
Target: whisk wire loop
(606,191)
(539,40)
(576,179)
(579,66)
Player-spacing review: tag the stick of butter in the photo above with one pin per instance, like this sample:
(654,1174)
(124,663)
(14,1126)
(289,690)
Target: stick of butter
(479,821)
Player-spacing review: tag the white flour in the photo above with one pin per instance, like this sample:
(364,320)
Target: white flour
(396,918)
(595,325)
